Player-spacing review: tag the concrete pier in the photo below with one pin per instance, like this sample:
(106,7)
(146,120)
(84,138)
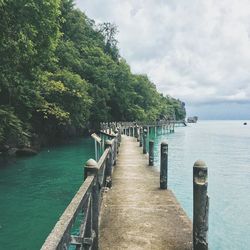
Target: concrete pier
(136,213)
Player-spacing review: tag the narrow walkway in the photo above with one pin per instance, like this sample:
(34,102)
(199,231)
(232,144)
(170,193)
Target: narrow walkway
(136,214)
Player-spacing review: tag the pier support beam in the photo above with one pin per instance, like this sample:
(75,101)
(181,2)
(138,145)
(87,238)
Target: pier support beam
(200,206)
(164,166)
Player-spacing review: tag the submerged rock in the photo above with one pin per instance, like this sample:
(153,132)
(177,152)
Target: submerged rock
(26,152)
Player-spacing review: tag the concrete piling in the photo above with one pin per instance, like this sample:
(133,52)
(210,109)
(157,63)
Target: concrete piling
(141,137)
(200,206)
(151,153)
(108,144)
(164,166)
(145,141)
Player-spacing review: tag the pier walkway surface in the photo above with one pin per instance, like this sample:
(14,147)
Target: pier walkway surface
(136,213)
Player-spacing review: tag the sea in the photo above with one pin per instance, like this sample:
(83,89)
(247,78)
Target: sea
(225,148)
(35,191)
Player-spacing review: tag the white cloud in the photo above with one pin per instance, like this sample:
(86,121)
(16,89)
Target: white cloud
(195,50)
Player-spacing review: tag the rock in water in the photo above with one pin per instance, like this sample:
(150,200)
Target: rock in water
(26,152)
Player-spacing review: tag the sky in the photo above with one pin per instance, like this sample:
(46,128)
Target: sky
(194,50)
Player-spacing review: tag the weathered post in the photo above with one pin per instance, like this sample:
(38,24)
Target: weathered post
(145,141)
(138,133)
(141,137)
(89,170)
(151,153)
(133,130)
(110,129)
(164,166)
(200,206)
(108,144)
(127,131)
(118,132)
(115,150)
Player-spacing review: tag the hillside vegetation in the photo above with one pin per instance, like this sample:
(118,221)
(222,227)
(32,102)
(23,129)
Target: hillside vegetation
(61,74)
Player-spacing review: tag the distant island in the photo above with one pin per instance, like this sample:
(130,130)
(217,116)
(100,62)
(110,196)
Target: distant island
(192,119)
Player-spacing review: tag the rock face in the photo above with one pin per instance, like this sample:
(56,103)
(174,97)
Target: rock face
(192,119)
(26,152)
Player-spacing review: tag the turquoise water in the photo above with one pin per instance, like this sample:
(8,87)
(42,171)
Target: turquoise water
(225,147)
(35,191)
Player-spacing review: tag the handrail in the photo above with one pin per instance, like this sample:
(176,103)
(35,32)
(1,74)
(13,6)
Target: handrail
(59,235)
(87,201)
(109,125)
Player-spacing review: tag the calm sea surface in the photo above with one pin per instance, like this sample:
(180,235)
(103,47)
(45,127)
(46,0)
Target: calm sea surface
(225,147)
(35,191)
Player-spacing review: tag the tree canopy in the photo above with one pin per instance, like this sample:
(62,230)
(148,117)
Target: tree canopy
(60,73)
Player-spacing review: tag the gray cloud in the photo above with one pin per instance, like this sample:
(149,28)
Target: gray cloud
(195,50)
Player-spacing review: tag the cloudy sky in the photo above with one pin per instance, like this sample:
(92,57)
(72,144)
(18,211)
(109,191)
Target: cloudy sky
(195,50)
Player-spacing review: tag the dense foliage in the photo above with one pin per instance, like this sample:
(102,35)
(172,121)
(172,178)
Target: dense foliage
(60,74)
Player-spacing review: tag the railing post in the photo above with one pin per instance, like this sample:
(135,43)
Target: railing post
(164,166)
(119,137)
(131,131)
(145,141)
(136,132)
(108,144)
(200,206)
(93,226)
(90,168)
(118,132)
(115,147)
(151,153)
(141,137)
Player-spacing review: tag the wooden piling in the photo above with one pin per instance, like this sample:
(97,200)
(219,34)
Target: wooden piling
(200,206)
(151,153)
(164,166)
